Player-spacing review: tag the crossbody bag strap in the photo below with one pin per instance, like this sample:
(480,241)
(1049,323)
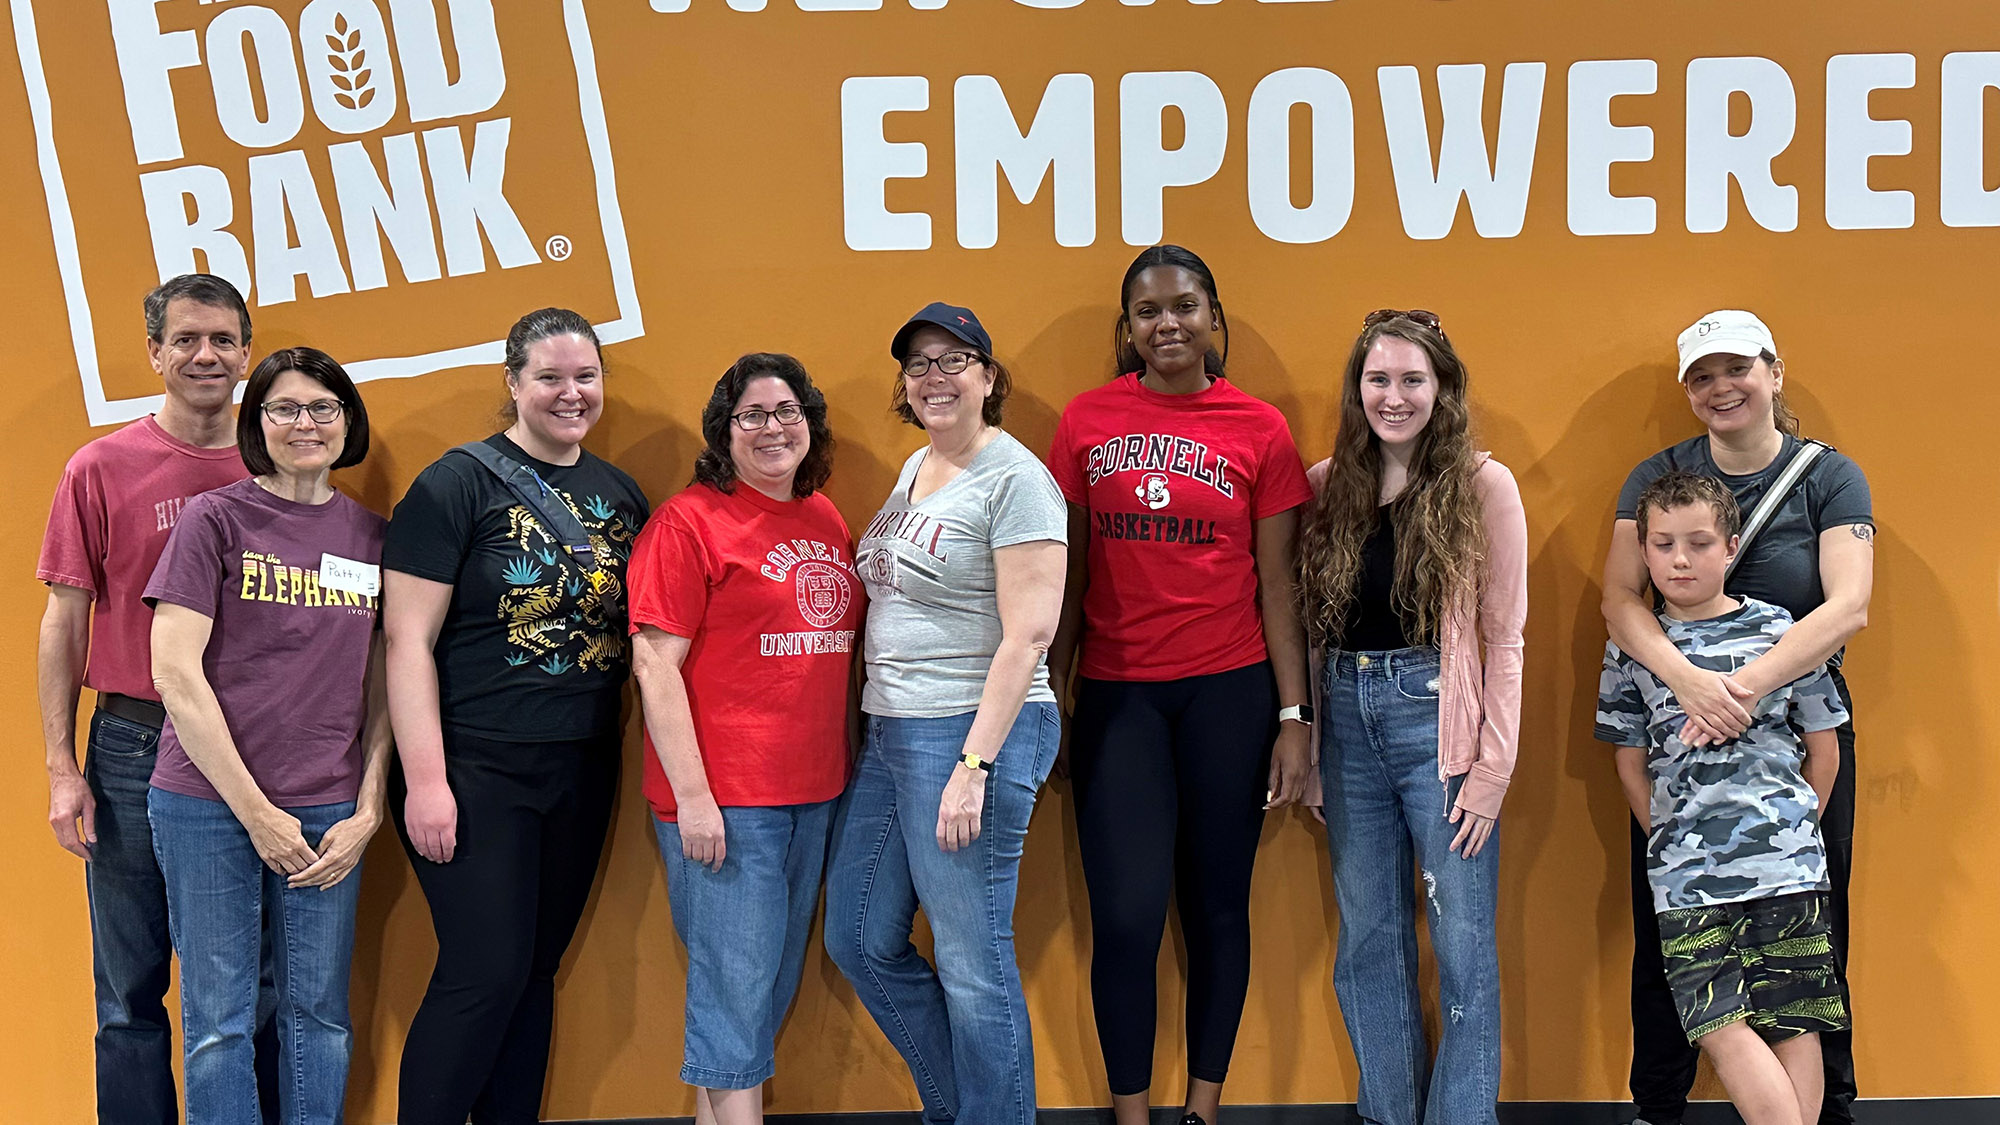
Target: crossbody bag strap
(544,503)
(1788,479)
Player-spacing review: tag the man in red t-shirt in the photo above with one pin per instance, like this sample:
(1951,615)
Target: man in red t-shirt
(114,509)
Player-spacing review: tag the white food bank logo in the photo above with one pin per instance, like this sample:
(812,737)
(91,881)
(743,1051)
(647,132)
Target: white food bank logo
(339,115)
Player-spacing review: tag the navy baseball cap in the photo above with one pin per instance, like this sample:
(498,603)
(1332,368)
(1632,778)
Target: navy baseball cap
(958,321)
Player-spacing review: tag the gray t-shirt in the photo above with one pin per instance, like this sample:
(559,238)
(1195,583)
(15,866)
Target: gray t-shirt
(1733,821)
(933,615)
(1782,566)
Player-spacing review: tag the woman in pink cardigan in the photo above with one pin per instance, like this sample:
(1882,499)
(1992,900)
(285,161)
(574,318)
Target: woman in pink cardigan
(1413,578)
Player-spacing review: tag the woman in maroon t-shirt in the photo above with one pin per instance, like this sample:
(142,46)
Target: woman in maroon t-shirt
(272,764)
(1192,705)
(744,611)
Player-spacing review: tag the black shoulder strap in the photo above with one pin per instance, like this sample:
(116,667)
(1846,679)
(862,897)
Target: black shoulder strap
(548,508)
(1781,488)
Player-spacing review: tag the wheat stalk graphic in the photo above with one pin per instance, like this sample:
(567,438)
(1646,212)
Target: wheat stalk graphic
(346,58)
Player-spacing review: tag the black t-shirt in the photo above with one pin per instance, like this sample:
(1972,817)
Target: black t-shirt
(529,651)
(1374,624)
(1782,566)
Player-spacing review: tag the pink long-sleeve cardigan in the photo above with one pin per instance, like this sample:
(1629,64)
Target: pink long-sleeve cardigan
(1479,690)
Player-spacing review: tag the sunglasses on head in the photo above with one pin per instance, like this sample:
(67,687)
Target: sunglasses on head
(1422,317)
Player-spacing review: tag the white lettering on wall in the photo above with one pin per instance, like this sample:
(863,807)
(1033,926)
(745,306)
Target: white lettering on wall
(469,198)
(1715,155)
(1060,145)
(1963,198)
(146,59)
(179,233)
(1595,144)
(233,37)
(1498,192)
(400,210)
(1269,132)
(869,160)
(1146,167)
(282,189)
(482,71)
(1853,137)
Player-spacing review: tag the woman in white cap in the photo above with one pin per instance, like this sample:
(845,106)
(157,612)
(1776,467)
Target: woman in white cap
(964,568)
(1807,545)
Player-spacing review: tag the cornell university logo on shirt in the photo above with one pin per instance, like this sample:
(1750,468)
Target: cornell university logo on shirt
(824,593)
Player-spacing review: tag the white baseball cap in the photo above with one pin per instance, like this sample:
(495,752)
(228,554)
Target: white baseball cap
(1724,332)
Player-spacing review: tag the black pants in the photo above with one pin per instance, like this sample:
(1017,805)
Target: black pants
(531,824)
(1170,781)
(1663,1062)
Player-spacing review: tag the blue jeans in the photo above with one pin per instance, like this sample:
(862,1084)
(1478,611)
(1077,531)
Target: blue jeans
(131,952)
(217,894)
(745,929)
(1386,824)
(963,1027)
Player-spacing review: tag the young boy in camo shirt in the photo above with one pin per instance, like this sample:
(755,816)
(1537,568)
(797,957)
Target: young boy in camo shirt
(1733,855)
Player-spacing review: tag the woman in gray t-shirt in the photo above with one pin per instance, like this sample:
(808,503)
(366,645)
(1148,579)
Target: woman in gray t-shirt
(964,568)
(1816,558)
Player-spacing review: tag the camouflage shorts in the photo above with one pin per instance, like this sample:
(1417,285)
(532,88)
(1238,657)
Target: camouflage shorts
(1768,961)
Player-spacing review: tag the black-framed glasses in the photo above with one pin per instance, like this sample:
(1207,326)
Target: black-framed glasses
(1424,317)
(917,365)
(323,411)
(787,414)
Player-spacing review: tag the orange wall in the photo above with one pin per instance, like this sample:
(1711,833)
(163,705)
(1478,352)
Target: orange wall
(726,131)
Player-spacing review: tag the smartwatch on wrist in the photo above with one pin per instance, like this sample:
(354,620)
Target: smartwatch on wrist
(1297,713)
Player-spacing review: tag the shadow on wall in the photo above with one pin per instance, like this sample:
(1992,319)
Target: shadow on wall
(1908,660)
(1625,420)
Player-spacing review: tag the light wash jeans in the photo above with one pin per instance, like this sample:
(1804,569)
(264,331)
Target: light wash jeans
(745,929)
(1386,826)
(217,890)
(963,1026)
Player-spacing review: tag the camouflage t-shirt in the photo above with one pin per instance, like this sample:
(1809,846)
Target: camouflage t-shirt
(1732,822)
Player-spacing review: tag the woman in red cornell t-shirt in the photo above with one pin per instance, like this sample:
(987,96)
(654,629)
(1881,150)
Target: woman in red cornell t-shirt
(744,610)
(1190,659)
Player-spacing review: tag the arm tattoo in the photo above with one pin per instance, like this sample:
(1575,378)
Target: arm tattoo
(1862,531)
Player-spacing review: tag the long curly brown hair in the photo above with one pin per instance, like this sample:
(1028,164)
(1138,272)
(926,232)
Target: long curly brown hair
(1440,541)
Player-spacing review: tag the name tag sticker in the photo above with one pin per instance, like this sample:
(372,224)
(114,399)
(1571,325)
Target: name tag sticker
(336,573)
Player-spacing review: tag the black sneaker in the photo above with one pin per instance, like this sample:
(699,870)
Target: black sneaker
(1192,1119)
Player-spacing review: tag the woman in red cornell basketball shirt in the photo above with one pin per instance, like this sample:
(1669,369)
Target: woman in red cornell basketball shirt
(1192,705)
(744,610)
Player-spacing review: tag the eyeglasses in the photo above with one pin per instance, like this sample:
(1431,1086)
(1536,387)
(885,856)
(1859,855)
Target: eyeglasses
(951,363)
(787,414)
(322,411)
(1423,317)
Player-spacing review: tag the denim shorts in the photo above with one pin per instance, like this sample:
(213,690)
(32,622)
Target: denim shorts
(1768,961)
(745,929)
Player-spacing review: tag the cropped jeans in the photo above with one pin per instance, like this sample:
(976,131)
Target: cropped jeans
(745,929)
(1387,826)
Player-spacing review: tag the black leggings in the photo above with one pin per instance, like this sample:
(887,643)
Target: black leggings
(1663,1062)
(531,824)
(1170,781)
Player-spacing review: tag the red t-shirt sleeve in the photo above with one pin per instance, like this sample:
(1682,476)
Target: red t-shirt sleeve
(669,575)
(73,547)
(1281,477)
(190,570)
(1062,460)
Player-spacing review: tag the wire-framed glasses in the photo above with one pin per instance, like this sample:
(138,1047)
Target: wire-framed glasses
(322,411)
